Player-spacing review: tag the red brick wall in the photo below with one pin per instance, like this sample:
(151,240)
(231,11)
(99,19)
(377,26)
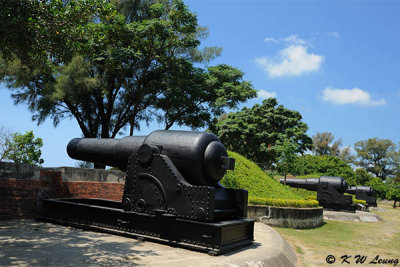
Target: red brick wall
(19,198)
(112,191)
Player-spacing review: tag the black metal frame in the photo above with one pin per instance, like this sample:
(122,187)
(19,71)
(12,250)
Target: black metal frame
(108,216)
(160,205)
(329,198)
(371,201)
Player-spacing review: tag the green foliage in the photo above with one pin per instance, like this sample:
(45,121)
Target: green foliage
(24,148)
(304,193)
(322,166)
(393,189)
(379,186)
(5,134)
(359,201)
(257,132)
(376,156)
(110,64)
(205,96)
(356,201)
(249,176)
(287,156)
(323,144)
(361,177)
(283,202)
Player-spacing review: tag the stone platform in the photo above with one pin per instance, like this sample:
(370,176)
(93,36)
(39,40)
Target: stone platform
(31,243)
(358,216)
(298,218)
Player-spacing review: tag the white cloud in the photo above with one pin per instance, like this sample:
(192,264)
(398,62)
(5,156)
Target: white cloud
(264,94)
(288,40)
(333,34)
(293,60)
(350,96)
(271,40)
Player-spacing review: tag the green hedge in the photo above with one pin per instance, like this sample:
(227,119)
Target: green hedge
(249,176)
(357,201)
(276,202)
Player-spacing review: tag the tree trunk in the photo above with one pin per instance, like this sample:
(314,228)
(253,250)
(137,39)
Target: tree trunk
(394,204)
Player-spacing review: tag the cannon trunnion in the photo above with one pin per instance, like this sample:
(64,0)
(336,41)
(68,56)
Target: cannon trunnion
(330,191)
(364,193)
(172,192)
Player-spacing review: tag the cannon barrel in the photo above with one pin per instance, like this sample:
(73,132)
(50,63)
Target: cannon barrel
(312,184)
(199,156)
(366,189)
(309,183)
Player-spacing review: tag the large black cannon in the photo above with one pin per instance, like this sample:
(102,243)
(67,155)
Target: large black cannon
(330,191)
(364,193)
(172,192)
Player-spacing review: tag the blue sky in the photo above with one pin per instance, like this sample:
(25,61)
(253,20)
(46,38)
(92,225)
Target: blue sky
(336,62)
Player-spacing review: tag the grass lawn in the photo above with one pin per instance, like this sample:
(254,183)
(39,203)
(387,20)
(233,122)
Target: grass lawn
(335,238)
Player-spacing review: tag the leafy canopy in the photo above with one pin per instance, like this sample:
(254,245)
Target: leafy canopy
(324,144)
(287,152)
(5,135)
(24,148)
(258,132)
(361,177)
(379,186)
(377,156)
(393,190)
(322,165)
(113,64)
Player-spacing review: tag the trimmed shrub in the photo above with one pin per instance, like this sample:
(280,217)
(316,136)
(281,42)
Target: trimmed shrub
(249,176)
(276,202)
(359,201)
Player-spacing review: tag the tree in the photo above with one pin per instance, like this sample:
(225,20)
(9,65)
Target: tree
(105,63)
(206,96)
(324,144)
(101,70)
(257,132)
(287,152)
(24,148)
(5,135)
(393,190)
(379,186)
(361,177)
(323,166)
(376,156)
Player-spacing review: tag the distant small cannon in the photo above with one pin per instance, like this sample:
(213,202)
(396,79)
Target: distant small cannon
(172,191)
(364,193)
(330,191)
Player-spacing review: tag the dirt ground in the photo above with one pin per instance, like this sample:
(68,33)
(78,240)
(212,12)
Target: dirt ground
(343,243)
(31,243)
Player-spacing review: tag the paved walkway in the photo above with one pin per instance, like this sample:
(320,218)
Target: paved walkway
(31,243)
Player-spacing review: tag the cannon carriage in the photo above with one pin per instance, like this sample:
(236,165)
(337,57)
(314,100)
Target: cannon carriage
(171,195)
(364,193)
(330,191)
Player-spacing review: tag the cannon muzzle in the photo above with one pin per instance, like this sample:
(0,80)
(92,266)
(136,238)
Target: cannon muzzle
(199,156)
(360,188)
